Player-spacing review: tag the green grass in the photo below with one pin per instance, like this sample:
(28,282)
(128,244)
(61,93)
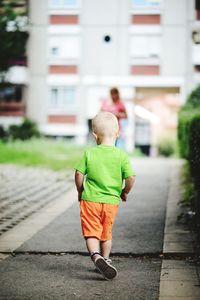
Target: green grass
(48,153)
(53,154)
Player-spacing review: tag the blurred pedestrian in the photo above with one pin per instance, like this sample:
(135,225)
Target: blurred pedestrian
(99,177)
(116,106)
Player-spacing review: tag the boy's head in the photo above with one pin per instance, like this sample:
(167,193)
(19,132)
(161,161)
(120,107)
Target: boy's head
(105,125)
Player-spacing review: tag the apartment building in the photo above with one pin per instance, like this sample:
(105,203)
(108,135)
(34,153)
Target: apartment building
(78,49)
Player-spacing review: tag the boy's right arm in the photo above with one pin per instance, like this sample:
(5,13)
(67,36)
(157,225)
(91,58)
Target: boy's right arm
(79,179)
(129,182)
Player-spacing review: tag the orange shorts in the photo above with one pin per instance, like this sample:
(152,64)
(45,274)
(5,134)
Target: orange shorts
(97,219)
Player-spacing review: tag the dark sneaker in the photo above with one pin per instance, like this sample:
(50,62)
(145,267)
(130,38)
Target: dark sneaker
(106,269)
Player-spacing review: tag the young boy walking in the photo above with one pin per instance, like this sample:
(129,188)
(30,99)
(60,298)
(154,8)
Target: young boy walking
(99,177)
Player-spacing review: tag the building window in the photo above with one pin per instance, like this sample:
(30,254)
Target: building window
(54,97)
(64,47)
(197,68)
(54,51)
(69,96)
(63,99)
(70,4)
(196,36)
(149,4)
(145,46)
(11,93)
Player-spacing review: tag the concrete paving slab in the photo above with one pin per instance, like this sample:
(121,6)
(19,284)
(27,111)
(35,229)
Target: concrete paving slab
(178,298)
(177,264)
(179,237)
(14,238)
(175,274)
(178,247)
(179,288)
(25,190)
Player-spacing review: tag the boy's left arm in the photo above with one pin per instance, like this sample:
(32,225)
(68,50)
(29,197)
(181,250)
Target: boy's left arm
(129,183)
(128,175)
(79,179)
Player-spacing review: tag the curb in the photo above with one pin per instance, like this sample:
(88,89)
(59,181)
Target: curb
(179,276)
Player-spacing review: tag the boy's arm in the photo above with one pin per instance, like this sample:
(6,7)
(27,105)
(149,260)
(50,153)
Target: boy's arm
(79,179)
(129,182)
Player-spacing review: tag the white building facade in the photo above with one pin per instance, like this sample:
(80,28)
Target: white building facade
(79,49)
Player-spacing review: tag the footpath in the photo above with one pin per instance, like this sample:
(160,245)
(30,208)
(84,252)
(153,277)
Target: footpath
(43,256)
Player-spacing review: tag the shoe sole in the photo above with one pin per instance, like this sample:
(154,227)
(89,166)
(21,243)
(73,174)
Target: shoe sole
(108,271)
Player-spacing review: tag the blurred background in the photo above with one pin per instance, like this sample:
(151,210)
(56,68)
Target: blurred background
(59,59)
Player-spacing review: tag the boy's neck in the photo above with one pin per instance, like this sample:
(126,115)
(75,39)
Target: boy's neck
(106,141)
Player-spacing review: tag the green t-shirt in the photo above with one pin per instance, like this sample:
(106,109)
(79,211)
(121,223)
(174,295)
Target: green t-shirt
(105,167)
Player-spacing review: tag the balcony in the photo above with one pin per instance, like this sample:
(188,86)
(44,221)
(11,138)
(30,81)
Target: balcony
(12,108)
(11,100)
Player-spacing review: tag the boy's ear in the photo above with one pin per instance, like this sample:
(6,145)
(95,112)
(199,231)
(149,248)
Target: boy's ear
(117,134)
(94,134)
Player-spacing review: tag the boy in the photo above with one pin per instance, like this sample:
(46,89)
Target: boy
(105,167)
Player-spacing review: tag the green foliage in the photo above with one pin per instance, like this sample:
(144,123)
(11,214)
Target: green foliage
(193,100)
(53,154)
(184,129)
(188,125)
(189,139)
(188,188)
(167,146)
(12,35)
(25,131)
(3,133)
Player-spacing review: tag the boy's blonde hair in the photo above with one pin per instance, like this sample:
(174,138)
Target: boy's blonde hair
(105,124)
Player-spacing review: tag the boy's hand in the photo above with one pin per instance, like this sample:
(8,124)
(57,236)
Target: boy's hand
(129,181)
(124,196)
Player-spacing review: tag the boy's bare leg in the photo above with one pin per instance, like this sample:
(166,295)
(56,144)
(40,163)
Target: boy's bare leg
(92,244)
(108,271)
(106,248)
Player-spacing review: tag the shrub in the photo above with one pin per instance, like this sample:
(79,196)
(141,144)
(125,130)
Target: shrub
(3,133)
(184,124)
(194,155)
(193,100)
(188,188)
(25,131)
(166,146)
(189,139)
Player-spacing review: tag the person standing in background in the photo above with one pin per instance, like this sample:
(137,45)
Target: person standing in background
(116,106)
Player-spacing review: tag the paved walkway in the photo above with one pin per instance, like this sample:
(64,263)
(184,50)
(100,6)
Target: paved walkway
(23,191)
(50,259)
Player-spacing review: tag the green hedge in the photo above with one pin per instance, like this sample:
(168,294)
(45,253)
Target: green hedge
(188,119)
(26,130)
(189,138)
